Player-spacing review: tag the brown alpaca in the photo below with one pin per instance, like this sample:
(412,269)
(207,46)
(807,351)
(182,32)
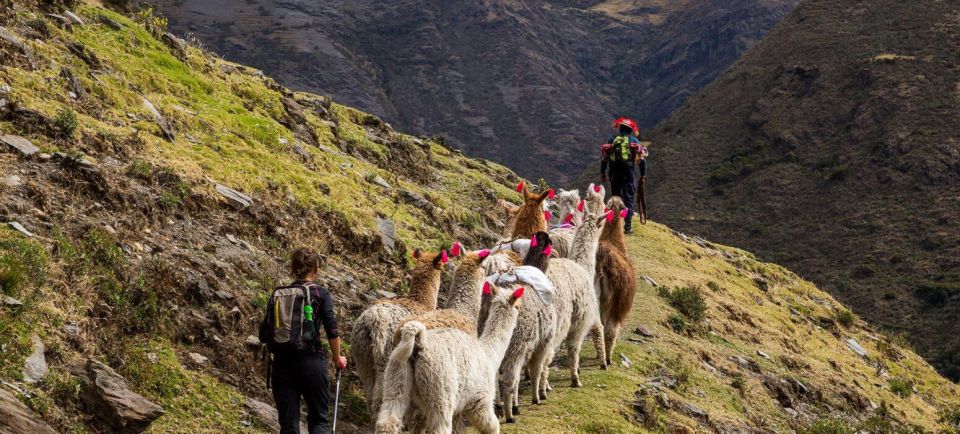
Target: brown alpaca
(530,218)
(372,337)
(617,279)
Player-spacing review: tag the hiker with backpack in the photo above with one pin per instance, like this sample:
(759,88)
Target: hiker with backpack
(624,155)
(291,331)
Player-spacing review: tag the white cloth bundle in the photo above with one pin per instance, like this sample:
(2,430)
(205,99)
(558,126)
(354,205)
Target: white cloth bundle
(521,246)
(529,276)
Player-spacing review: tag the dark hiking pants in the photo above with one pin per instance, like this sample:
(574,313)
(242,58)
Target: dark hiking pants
(301,376)
(623,183)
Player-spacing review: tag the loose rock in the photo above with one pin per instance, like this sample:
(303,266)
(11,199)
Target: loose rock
(650,281)
(856,347)
(111,399)
(388,234)
(35,368)
(73,18)
(159,119)
(11,302)
(643,331)
(253,341)
(386,294)
(235,198)
(198,358)
(625,361)
(21,145)
(12,181)
(381,182)
(18,418)
(266,414)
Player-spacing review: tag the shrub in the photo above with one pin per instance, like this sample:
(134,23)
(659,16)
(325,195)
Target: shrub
(677,323)
(22,262)
(688,300)
(951,418)
(828,426)
(739,383)
(155,24)
(714,286)
(66,122)
(846,318)
(901,387)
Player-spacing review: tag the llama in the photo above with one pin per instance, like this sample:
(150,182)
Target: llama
(463,307)
(372,337)
(531,217)
(616,279)
(510,214)
(567,203)
(447,374)
(563,237)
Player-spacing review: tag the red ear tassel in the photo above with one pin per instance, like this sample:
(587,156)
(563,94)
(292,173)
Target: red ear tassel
(547,251)
(609,216)
(580,205)
(551,194)
(520,187)
(483,253)
(596,188)
(546,215)
(486,288)
(456,250)
(569,219)
(623,213)
(444,258)
(533,241)
(518,293)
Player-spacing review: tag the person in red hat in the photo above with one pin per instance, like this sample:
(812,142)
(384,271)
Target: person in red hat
(621,156)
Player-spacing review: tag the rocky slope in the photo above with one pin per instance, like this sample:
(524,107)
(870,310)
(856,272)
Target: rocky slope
(151,191)
(532,85)
(832,147)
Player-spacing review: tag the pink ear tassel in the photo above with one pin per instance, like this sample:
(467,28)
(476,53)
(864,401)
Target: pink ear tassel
(623,213)
(533,241)
(609,216)
(546,215)
(483,253)
(551,194)
(547,251)
(486,288)
(520,187)
(456,250)
(569,219)
(443,257)
(606,210)
(596,188)
(518,293)
(580,205)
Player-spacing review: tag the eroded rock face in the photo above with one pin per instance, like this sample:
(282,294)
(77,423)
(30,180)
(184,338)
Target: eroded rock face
(108,396)
(16,418)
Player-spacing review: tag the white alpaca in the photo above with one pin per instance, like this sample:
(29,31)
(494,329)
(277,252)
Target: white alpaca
(593,203)
(372,339)
(447,374)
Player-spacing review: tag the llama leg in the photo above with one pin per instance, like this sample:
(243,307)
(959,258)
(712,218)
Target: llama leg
(484,420)
(611,331)
(545,381)
(536,364)
(574,346)
(439,421)
(507,396)
(598,334)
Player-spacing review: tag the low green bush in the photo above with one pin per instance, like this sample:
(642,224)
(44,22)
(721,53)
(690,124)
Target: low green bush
(688,300)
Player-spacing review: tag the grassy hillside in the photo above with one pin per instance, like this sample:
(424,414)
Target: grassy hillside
(136,260)
(832,148)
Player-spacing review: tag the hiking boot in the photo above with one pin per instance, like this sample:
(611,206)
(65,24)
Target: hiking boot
(628,231)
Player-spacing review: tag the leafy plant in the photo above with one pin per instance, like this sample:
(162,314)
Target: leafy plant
(688,300)
(846,318)
(677,323)
(828,426)
(66,122)
(901,387)
(155,24)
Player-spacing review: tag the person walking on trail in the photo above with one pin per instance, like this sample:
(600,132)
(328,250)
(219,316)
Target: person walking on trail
(290,328)
(621,156)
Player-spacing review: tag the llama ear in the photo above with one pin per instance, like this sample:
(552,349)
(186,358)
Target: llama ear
(597,188)
(551,194)
(486,288)
(623,213)
(483,254)
(521,187)
(533,240)
(581,205)
(444,256)
(457,249)
(548,250)
(546,215)
(417,254)
(569,219)
(515,297)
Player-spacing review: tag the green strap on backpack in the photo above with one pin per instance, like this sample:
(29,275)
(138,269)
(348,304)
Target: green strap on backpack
(621,149)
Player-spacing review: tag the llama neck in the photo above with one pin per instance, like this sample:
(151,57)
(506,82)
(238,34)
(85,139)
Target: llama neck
(465,291)
(529,221)
(498,330)
(613,234)
(584,248)
(425,285)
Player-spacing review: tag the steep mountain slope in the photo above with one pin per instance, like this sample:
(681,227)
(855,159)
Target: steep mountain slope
(532,85)
(834,147)
(122,250)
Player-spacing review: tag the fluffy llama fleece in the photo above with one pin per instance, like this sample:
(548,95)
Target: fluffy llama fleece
(616,278)
(530,216)
(592,203)
(463,306)
(447,374)
(372,337)
(510,217)
(567,203)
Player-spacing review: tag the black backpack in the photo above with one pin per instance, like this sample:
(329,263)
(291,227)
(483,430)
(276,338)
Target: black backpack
(284,328)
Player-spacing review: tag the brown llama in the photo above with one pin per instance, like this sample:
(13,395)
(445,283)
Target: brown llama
(372,338)
(616,278)
(530,217)
(510,216)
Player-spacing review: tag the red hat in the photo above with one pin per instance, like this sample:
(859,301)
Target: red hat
(632,124)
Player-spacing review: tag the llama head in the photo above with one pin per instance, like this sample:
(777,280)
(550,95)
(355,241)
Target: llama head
(539,254)
(436,260)
(547,250)
(497,294)
(569,219)
(531,198)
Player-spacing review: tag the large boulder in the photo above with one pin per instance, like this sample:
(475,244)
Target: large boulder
(110,399)
(19,144)
(16,418)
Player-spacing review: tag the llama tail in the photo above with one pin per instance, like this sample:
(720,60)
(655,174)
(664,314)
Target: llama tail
(398,380)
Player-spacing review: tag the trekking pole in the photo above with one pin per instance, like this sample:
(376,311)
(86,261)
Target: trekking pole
(336,401)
